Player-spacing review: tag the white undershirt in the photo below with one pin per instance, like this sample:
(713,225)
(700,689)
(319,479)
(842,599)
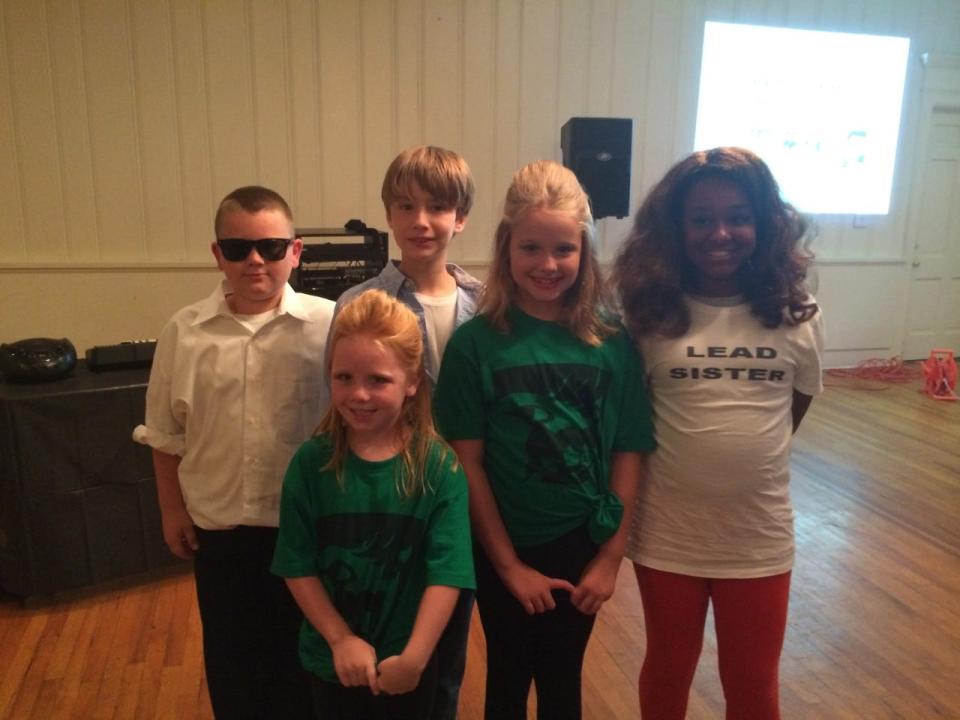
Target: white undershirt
(254,322)
(439,319)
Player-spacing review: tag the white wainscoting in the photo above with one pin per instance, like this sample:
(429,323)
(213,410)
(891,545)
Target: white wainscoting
(122,123)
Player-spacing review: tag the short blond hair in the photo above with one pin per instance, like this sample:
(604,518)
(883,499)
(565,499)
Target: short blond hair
(438,171)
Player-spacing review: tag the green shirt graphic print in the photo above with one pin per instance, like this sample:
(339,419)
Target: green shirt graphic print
(551,410)
(374,552)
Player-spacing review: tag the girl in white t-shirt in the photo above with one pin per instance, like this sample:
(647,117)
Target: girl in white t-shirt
(712,282)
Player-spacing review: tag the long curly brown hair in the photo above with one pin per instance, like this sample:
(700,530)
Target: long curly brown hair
(652,272)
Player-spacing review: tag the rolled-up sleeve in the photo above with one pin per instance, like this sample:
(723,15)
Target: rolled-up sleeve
(161,429)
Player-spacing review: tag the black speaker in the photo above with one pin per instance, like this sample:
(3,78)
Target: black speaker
(598,152)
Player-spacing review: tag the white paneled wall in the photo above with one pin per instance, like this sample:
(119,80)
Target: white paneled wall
(122,122)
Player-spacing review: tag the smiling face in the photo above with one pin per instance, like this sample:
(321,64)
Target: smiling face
(257,284)
(545,250)
(719,235)
(368,387)
(422,226)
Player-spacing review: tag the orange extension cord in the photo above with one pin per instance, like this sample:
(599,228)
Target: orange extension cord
(868,372)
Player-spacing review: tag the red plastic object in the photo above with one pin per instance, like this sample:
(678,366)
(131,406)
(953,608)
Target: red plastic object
(940,375)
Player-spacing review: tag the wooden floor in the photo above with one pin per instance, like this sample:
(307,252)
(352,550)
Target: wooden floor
(874,628)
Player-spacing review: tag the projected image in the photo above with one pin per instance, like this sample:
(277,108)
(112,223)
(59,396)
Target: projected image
(821,108)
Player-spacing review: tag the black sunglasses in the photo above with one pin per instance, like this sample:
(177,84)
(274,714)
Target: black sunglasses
(237,249)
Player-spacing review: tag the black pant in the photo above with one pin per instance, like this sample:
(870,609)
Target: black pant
(452,658)
(333,701)
(546,648)
(250,628)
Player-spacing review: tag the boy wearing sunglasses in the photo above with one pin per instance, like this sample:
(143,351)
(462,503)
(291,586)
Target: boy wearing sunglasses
(236,387)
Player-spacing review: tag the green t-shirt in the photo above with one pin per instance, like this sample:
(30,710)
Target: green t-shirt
(551,410)
(374,552)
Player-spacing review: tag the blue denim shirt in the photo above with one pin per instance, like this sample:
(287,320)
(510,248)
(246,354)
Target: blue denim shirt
(396,284)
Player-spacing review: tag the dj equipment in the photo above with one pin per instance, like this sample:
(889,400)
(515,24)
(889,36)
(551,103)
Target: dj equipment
(328,269)
(37,359)
(124,356)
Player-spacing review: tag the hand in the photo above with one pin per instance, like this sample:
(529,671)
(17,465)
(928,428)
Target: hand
(398,675)
(355,661)
(179,533)
(533,589)
(596,584)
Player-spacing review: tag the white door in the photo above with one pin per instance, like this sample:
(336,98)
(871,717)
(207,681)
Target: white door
(933,303)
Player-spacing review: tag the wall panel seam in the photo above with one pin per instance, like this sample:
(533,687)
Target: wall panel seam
(558,64)
(138,112)
(318,120)
(518,84)
(14,140)
(495,48)
(421,68)
(613,58)
(461,70)
(255,106)
(178,134)
(58,139)
(292,190)
(97,212)
(211,150)
(361,106)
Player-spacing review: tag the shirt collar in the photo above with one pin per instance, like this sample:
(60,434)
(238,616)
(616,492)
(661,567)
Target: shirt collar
(292,305)
(216,304)
(393,279)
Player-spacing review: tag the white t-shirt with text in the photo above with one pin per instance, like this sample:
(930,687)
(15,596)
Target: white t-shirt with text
(716,501)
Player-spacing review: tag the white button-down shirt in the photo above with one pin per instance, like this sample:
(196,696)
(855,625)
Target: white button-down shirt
(235,403)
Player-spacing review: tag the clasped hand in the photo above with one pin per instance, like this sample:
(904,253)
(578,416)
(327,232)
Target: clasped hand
(398,675)
(534,590)
(355,662)
(596,584)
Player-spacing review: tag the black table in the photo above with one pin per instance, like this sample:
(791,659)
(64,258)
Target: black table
(77,496)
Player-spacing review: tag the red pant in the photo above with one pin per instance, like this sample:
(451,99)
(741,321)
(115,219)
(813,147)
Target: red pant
(750,618)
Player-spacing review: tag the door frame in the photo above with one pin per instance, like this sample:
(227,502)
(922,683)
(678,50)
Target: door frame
(940,92)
